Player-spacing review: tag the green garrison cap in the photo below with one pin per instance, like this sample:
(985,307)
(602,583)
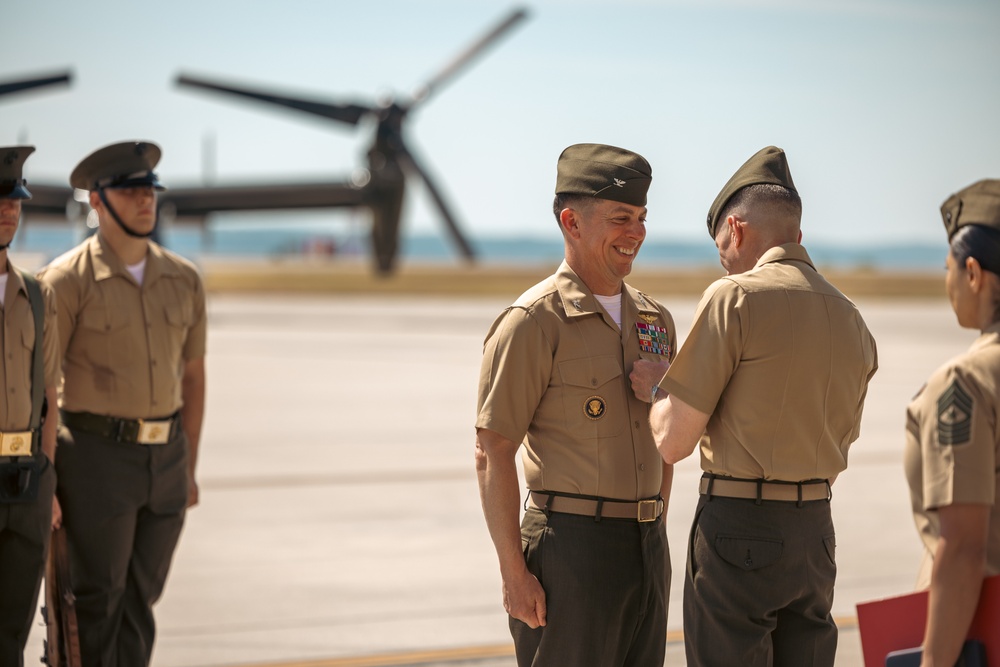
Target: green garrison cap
(123,165)
(12,183)
(767,165)
(604,172)
(978,204)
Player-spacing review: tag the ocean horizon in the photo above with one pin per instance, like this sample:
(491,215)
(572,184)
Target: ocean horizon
(262,241)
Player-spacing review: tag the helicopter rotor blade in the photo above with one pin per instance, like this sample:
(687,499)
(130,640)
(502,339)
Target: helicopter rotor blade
(464,58)
(35,82)
(344,113)
(407,158)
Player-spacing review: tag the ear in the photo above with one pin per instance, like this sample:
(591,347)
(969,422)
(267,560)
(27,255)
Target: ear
(736,227)
(977,279)
(799,240)
(569,220)
(95,200)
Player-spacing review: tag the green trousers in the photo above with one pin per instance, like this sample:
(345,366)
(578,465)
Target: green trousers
(25,529)
(759,585)
(123,508)
(606,586)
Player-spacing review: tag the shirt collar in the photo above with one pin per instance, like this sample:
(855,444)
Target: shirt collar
(107,264)
(787,252)
(15,282)
(990,335)
(578,299)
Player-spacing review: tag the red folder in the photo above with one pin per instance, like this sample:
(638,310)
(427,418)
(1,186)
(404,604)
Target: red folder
(898,623)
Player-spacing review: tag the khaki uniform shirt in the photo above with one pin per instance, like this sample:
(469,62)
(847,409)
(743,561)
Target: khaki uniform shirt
(18,332)
(124,345)
(555,369)
(781,361)
(953,444)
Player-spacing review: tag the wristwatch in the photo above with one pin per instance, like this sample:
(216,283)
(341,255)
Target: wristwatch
(652,393)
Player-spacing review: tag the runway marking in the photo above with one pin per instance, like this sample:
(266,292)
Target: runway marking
(445,656)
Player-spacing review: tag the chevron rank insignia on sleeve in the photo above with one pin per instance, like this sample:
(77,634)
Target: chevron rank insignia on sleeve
(954,422)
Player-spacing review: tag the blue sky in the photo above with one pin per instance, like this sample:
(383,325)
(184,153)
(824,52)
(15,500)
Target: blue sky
(885,107)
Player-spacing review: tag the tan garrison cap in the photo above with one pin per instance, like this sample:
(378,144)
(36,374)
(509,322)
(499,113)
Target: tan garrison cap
(123,165)
(604,172)
(12,183)
(978,204)
(767,165)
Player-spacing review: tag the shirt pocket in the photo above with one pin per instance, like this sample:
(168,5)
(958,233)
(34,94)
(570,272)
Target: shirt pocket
(105,336)
(594,399)
(178,322)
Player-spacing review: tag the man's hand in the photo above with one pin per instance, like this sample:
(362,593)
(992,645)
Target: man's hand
(192,485)
(56,513)
(524,599)
(645,375)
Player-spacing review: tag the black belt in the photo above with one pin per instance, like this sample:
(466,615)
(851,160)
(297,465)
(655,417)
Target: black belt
(114,428)
(764,489)
(642,511)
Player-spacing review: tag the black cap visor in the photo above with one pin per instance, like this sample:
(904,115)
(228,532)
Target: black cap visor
(131,181)
(14,191)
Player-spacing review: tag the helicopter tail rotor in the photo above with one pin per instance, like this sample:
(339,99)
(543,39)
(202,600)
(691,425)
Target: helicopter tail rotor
(344,113)
(463,59)
(34,82)
(451,223)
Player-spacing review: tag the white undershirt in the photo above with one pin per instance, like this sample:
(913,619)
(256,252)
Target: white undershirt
(612,304)
(137,270)
(3,286)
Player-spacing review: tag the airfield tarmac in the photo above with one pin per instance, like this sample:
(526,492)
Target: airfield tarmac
(340,522)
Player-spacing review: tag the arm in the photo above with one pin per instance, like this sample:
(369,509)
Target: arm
(645,375)
(665,486)
(523,597)
(677,428)
(49,444)
(192,415)
(957,578)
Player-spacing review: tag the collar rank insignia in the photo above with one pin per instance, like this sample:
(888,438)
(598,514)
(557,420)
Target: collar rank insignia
(954,421)
(594,407)
(653,339)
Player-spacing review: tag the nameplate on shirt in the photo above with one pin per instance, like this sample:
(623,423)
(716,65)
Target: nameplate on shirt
(653,339)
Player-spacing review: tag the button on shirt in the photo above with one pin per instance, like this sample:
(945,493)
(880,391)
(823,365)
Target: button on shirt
(18,343)
(555,371)
(953,444)
(125,345)
(781,360)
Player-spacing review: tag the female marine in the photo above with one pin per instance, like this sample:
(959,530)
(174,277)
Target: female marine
(953,432)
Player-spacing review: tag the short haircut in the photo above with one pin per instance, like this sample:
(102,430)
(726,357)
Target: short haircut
(569,201)
(768,195)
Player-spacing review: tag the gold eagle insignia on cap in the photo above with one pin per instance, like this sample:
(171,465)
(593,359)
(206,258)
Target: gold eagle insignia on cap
(594,407)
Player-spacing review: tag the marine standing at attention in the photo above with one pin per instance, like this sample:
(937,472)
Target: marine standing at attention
(29,361)
(132,331)
(586,575)
(771,380)
(952,453)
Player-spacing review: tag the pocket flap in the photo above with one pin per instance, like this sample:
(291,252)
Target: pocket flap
(589,372)
(748,553)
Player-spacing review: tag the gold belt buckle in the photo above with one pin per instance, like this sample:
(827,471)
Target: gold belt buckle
(15,444)
(641,515)
(153,432)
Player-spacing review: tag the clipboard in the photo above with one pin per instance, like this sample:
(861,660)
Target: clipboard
(897,623)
